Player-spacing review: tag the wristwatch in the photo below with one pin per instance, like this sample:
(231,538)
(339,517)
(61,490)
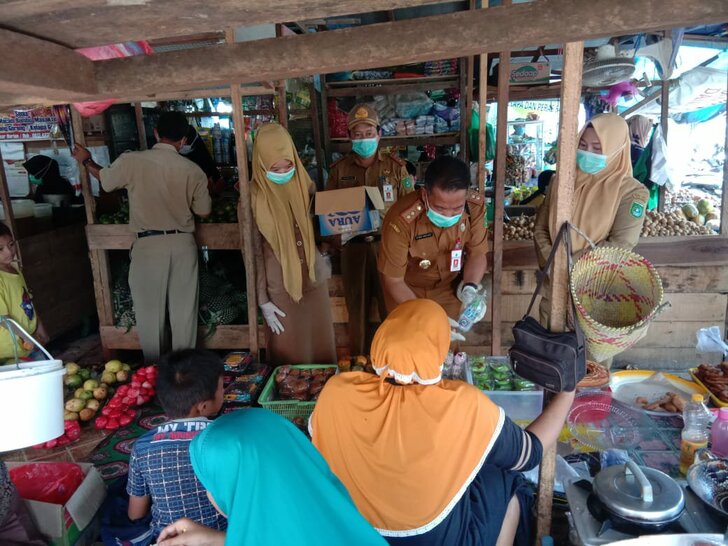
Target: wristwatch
(86,161)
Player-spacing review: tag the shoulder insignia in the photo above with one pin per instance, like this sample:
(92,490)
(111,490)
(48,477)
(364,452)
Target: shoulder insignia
(475,197)
(395,227)
(637,209)
(398,160)
(411,213)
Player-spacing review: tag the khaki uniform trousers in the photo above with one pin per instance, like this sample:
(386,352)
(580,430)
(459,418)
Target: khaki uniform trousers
(163,278)
(361,286)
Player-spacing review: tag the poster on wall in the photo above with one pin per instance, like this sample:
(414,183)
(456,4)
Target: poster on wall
(16,175)
(33,124)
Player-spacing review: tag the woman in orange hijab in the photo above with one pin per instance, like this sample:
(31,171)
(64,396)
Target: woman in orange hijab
(429,460)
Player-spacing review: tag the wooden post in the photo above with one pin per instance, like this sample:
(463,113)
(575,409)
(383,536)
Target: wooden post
(141,129)
(281,90)
(724,199)
(245,216)
(465,92)
(8,207)
(482,115)
(315,124)
(562,195)
(504,71)
(325,121)
(664,116)
(99,259)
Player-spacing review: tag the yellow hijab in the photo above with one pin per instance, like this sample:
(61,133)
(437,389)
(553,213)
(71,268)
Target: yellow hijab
(277,208)
(406,452)
(597,196)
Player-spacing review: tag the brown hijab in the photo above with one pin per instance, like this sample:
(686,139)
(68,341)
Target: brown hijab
(277,208)
(597,196)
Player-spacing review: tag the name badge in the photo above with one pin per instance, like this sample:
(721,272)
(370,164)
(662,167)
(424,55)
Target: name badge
(456,260)
(388,191)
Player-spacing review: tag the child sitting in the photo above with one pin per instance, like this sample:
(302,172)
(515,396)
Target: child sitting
(190,389)
(16,303)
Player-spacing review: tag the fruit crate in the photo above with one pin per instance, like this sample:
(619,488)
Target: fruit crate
(289,409)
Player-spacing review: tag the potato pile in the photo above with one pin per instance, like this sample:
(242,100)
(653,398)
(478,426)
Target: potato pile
(667,224)
(519,228)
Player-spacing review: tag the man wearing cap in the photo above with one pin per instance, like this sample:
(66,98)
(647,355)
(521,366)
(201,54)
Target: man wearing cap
(367,165)
(165,191)
(434,242)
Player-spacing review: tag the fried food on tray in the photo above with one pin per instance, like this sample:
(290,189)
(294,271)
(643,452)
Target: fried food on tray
(715,378)
(670,402)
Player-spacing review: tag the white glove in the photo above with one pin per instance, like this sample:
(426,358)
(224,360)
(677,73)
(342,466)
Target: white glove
(454,334)
(270,310)
(467,292)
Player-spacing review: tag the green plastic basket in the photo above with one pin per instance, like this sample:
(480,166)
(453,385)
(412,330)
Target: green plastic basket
(288,408)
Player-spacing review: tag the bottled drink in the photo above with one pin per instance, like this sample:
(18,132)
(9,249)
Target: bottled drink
(719,434)
(696,419)
(472,313)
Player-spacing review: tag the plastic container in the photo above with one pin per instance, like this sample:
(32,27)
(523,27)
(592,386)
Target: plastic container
(43,210)
(719,434)
(696,419)
(22,208)
(289,409)
(521,406)
(31,401)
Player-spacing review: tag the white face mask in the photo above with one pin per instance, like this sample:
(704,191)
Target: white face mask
(187,148)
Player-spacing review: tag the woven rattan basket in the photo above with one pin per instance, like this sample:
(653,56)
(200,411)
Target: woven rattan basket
(617,293)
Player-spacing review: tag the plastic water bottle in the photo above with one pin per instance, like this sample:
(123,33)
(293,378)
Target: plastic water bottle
(472,313)
(696,419)
(719,434)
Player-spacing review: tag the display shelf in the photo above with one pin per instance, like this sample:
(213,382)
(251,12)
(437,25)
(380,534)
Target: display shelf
(118,236)
(207,115)
(439,139)
(230,336)
(355,88)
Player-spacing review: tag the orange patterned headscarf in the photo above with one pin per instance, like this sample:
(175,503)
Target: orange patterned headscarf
(405,444)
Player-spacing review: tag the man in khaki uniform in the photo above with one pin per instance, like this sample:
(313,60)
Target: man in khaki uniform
(367,165)
(434,242)
(165,189)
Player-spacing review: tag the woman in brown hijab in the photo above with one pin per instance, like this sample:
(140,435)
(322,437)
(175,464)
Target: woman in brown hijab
(608,204)
(291,273)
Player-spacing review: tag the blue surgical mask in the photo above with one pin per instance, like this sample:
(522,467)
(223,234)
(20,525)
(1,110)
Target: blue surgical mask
(442,221)
(365,147)
(589,162)
(281,178)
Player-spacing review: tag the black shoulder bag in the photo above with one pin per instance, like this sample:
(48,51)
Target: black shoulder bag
(555,361)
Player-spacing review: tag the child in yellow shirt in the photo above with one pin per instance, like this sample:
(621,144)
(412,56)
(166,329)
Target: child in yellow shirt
(16,301)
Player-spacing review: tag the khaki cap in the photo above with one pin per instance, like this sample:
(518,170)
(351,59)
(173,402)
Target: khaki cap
(361,113)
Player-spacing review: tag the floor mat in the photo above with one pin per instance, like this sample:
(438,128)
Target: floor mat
(111,456)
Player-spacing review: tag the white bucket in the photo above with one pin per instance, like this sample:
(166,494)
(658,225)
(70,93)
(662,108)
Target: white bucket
(31,403)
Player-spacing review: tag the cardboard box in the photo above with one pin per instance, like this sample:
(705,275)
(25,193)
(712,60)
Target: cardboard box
(530,73)
(76,523)
(349,211)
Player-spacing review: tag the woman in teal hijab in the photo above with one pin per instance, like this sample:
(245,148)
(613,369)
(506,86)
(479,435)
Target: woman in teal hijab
(271,483)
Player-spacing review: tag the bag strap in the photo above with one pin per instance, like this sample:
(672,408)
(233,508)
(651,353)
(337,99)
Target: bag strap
(542,273)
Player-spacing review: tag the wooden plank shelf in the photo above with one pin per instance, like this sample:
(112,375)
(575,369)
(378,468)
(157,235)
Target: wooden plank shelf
(358,88)
(438,139)
(230,336)
(118,236)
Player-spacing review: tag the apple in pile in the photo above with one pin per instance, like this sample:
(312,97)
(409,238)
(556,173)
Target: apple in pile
(119,411)
(71,433)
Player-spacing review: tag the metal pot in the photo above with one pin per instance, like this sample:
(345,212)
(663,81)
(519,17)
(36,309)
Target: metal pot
(708,478)
(639,496)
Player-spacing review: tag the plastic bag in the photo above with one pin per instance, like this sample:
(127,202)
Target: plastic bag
(710,341)
(47,482)
(413,104)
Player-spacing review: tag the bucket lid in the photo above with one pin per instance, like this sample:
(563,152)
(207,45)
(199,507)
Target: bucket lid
(25,369)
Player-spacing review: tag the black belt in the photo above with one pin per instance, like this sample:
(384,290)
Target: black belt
(366,238)
(152,232)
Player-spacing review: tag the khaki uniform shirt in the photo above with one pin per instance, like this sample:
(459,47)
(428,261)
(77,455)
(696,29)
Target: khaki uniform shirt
(164,188)
(387,170)
(625,230)
(415,249)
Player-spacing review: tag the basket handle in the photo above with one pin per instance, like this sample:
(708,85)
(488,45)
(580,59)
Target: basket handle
(6,321)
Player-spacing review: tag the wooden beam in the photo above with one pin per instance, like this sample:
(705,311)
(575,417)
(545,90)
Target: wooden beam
(281,102)
(89,202)
(724,198)
(664,117)
(141,129)
(7,205)
(442,36)
(501,144)
(87,23)
(561,199)
(30,66)
(119,237)
(226,336)
(482,116)
(245,215)
(316,124)
(465,98)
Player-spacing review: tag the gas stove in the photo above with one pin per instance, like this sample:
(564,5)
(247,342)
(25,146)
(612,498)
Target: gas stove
(594,531)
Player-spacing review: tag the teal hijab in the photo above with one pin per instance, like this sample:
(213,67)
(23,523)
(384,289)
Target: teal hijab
(273,485)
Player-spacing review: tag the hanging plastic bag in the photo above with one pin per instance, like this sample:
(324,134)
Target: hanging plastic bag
(710,341)
(47,482)
(660,171)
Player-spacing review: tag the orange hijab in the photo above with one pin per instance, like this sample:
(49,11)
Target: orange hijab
(597,196)
(406,452)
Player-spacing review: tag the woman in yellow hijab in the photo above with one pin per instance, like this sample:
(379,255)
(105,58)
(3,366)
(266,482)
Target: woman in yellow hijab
(608,204)
(429,460)
(291,273)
